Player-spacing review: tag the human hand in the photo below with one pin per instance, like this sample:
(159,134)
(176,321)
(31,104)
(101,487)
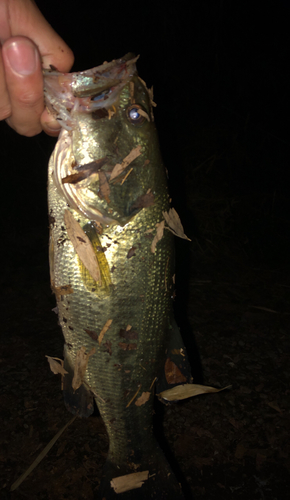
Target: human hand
(28,44)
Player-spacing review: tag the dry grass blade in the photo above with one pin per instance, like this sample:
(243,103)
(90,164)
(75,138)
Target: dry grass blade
(40,456)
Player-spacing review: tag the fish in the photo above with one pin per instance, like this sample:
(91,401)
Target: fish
(111,255)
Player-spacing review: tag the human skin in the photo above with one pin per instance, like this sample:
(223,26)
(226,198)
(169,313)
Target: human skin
(28,44)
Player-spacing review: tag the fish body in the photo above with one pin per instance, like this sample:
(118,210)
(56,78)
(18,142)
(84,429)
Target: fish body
(113,283)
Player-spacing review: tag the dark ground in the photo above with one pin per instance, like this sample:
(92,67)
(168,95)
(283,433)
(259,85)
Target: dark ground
(224,140)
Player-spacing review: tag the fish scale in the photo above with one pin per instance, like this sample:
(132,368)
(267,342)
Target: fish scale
(135,293)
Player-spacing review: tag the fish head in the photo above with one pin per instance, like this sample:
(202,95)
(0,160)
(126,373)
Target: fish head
(107,160)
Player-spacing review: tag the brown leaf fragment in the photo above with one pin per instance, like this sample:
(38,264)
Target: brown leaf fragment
(104,330)
(108,347)
(274,405)
(142,112)
(174,223)
(143,398)
(131,252)
(143,201)
(62,290)
(172,373)
(178,351)
(128,334)
(127,347)
(92,334)
(55,366)
(84,171)
(127,175)
(135,395)
(104,190)
(158,236)
(129,482)
(185,391)
(118,168)
(80,366)
(82,246)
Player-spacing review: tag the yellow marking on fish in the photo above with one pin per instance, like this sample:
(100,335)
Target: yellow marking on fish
(105,276)
(82,246)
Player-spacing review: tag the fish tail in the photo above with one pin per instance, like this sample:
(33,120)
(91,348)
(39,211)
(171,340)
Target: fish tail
(153,480)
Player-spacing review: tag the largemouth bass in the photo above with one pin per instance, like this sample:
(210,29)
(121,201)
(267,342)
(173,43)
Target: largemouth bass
(112,267)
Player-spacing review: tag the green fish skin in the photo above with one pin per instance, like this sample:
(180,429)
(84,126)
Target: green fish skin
(113,288)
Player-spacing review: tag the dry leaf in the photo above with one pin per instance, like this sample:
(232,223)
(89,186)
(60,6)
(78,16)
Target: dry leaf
(62,290)
(158,235)
(82,246)
(178,351)
(131,252)
(174,223)
(127,347)
(81,363)
(274,405)
(92,334)
(143,201)
(55,366)
(118,168)
(187,391)
(104,330)
(172,373)
(143,398)
(104,186)
(129,482)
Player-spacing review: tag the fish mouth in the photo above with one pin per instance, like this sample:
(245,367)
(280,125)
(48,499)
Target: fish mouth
(92,91)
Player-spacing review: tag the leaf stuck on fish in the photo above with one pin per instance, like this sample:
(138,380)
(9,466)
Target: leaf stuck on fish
(158,236)
(128,334)
(104,190)
(127,347)
(118,168)
(172,373)
(143,398)
(92,334)
(174,223)
(143,201)
(82,246)
(187,391)
(131,252)
(80,366)
(129,482)
(62,290)
(104,330)
(55,366)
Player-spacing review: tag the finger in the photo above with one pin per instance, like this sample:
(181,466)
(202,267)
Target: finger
(27,20)
(49,124)
(5,108)
(25,85)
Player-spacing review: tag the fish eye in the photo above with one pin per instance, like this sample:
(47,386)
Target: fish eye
(136,114)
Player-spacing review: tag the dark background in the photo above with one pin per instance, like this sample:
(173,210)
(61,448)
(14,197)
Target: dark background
(214,65)
(221,83)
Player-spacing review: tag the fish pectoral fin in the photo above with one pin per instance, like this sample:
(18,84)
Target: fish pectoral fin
(176,368)
(79,402)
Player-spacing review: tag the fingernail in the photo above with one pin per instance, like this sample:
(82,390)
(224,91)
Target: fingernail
(22,57)
(53,125)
